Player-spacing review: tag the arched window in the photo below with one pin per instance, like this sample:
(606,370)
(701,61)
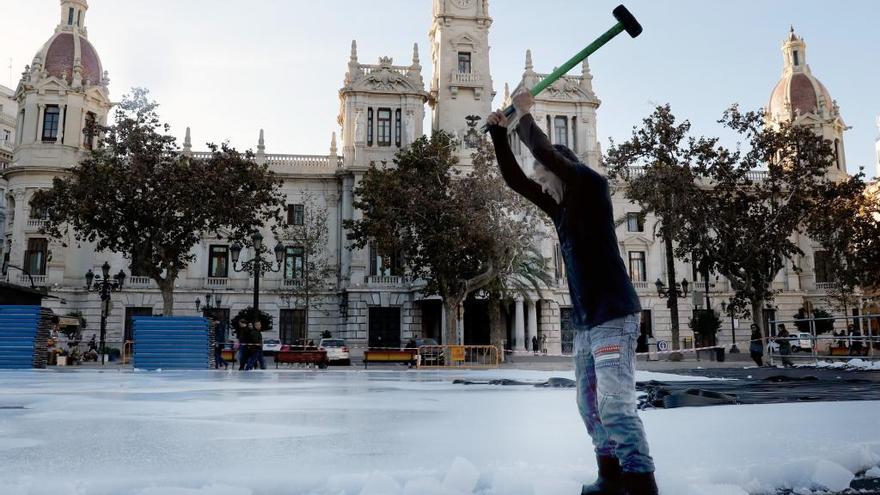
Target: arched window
(837,153)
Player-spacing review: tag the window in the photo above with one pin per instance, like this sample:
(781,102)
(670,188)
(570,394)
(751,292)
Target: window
(39,213)
(559,264)
(385,265)
(384,130)
(560,130)
(218,261)
(822,267)
(6,136)
(637,272)
(51,119)
(295,214)
(79,14)
(89,130)
(797,60)
(397,128)
(370,126)
(464,62)
(137,265)
(635,222)
(70,17)
(292,326)
(293,262)
(549,127)
(35,256)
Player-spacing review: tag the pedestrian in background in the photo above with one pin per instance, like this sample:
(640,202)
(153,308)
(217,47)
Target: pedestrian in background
(756,346)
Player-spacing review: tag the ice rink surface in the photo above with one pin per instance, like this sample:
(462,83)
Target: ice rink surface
(352,432)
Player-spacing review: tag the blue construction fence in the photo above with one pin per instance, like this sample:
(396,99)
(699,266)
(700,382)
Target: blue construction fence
(172,343)
(24,335)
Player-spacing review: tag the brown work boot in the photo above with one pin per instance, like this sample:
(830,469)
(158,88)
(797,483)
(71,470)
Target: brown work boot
(609,478)
(639,484)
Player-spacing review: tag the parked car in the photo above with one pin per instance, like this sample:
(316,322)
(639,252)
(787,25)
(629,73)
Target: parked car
(337,351)
(801,341)
(271,346)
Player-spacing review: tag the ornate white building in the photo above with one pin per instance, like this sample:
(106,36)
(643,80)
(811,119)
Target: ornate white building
(382,108)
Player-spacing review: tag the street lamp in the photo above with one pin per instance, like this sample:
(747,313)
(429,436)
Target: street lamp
(103,284)
(257,264)
(730,308)
(212,301)
(680,290)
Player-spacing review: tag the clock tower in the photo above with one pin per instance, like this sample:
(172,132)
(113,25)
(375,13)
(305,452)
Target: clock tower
(462,83)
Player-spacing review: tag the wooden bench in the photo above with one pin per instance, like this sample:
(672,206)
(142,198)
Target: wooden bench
(302,356)
(407,356)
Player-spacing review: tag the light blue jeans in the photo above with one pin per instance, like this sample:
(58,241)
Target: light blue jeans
(605,359)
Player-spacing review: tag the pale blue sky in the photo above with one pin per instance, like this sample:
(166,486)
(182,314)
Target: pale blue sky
(228,68)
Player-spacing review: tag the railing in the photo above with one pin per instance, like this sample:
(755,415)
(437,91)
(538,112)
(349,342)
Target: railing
(217,282)
(25,279)
(754,175)
(466,78)
(400,69)
(458,356)
(139,282)
(317,161)
(388,281)
(641,284)
(292,283)
(824,285)
(202,155)
(35,223)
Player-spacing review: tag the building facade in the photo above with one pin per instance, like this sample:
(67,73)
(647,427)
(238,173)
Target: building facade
(382,109)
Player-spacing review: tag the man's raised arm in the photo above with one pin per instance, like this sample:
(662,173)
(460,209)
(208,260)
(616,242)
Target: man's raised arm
(538,142)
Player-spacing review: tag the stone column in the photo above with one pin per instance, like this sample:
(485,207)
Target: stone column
(62,119)
(40,115)
(347,206)
(533,323)
(442,338)
(518,325)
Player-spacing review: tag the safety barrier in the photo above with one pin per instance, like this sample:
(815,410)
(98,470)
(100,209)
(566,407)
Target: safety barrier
(459,356)
(839,347)
(172,343)
(24,331)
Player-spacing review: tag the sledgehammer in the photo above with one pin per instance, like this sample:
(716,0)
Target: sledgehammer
(625,22)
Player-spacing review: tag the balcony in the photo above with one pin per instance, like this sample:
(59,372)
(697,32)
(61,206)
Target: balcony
(292,283)
(217,282)
(466,79)
(35,224)
(824,286)
(388,281)
(25,280)
(641,285)
(139,282)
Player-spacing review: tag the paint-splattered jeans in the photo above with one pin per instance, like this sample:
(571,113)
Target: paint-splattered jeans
(605,359)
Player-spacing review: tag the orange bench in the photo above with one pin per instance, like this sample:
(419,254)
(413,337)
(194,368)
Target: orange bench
(407,356)
(302,356)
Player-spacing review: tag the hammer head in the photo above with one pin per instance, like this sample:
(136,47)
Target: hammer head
(630,24)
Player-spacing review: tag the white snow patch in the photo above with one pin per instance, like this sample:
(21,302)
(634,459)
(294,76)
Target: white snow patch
(206,490)
(874,472)
(461,477)
(853,364)
(832,476)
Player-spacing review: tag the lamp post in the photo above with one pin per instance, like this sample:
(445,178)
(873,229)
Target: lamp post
(103,284)
(673,294)
(257,264)
(729,308)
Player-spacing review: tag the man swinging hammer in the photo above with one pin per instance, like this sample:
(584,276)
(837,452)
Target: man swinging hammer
(605,309)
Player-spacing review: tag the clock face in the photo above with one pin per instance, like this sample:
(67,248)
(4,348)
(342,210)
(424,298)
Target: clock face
(463,4)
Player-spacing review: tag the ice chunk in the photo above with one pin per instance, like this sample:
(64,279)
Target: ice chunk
(380,484)
(205,490)
(832,476)
(461,477)
(424,486)
(874,472)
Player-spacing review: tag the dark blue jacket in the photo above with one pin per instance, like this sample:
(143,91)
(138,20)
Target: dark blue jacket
(597,278)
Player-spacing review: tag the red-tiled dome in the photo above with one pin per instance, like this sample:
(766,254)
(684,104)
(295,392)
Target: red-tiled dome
(802,91)
(60,53)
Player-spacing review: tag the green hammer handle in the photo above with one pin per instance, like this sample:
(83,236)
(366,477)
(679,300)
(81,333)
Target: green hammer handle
(626,22)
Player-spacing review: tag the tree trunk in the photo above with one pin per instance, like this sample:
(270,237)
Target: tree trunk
(167,289)
(758,317)
(451,309)
(673,296)
(496,327)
